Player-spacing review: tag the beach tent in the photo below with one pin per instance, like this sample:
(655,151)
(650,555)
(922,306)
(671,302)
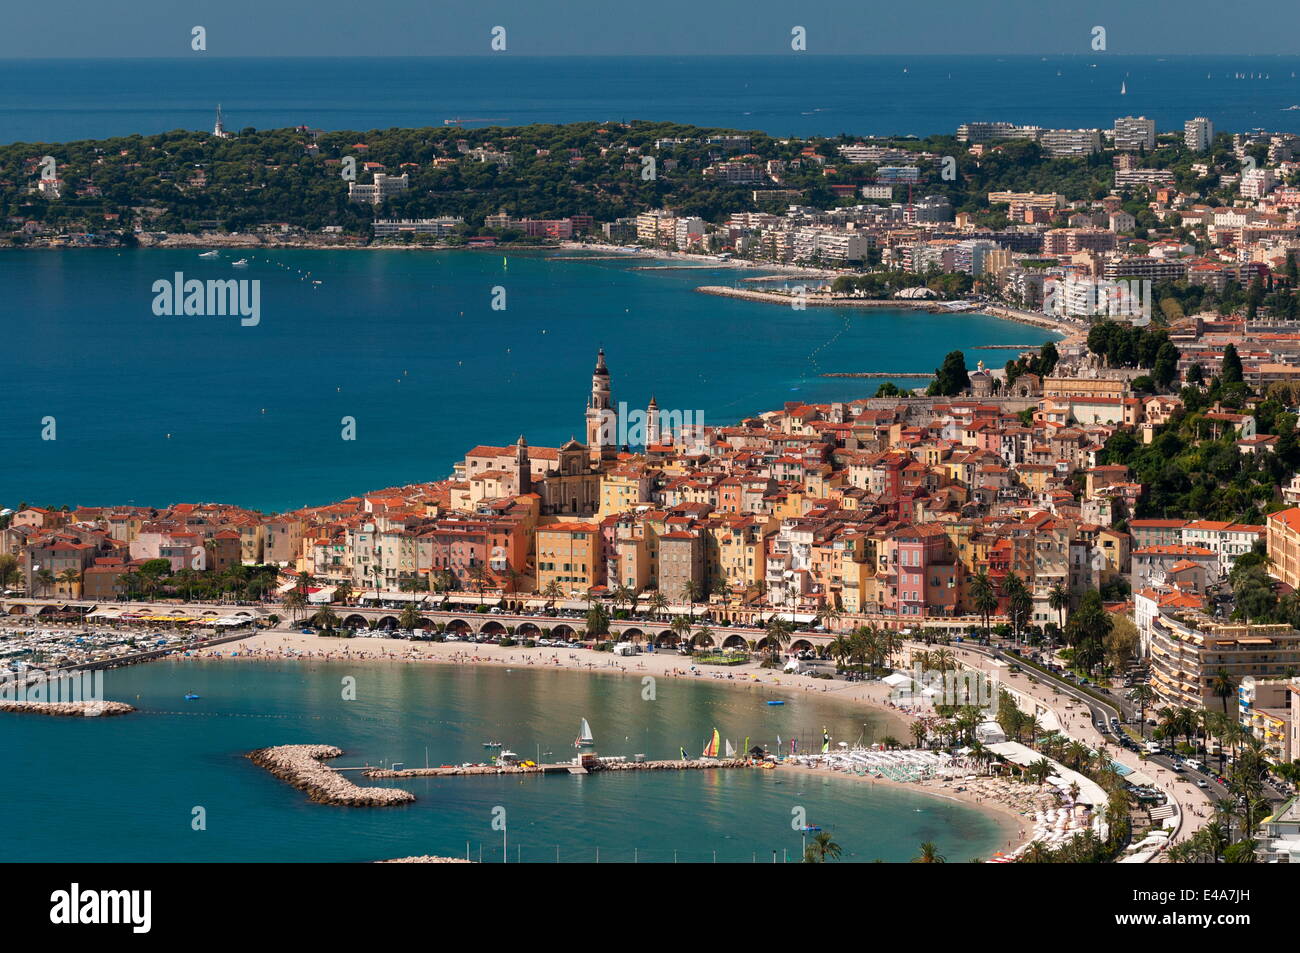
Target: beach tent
(897,680)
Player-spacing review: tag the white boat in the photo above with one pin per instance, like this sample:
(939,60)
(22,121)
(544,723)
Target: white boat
(242,263)
(210,254)
(584,739)
(1123,89)
(731,751)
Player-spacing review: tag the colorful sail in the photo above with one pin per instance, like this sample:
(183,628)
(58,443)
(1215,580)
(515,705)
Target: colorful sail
(711,748)
(826,740)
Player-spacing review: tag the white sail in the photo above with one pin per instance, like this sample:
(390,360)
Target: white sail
(585,735)
(731,752)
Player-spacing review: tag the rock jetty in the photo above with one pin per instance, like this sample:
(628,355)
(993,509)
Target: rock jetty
(301,766)
(81,709)
(424,859)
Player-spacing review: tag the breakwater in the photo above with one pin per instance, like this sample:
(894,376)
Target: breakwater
(470,770)
(424,859)
(300,766)
(79,709)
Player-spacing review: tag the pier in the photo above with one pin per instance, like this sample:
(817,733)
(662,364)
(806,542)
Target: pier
(301,766)
(565,767)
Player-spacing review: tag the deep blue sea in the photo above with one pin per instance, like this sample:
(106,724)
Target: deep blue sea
(126,788)
(61,100)
(157,410)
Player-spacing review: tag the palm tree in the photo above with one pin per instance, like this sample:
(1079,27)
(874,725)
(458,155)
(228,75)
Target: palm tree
(1059,599)
(658,603)
(71,578)
(324,618)
(1144,695)
(342,593)
(295,600)
(621,595)
(691,592)
(822,848)
(478,574)
(840,648)
(552,592)
(681,627)
(45,578)
(703,635)
(410,617)
(983,598)
(778,635)
(1223,685)
(929,854)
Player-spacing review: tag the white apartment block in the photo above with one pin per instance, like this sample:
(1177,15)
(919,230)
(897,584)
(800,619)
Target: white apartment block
(1135,133)
(384,186)
(1198,133)
(1071,142)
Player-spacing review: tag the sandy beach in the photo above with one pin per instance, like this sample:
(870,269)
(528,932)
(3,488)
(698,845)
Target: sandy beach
(279,644)
(1015,828)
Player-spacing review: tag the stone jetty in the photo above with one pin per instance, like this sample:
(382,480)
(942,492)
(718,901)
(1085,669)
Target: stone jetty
(81,709)
(424,859)
(452,771)
(301,766)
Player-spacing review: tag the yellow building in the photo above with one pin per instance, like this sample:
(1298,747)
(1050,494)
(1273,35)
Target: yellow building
(569,554)
(621,489)
(1284,546)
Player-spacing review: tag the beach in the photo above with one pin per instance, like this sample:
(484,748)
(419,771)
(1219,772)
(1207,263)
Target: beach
(280,644)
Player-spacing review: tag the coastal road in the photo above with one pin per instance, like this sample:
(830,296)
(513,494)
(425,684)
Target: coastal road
(1195,804)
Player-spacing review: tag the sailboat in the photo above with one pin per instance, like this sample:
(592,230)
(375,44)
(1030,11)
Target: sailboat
(711,749)
(584,739)
(210,254)
(1123,88)
(731,751)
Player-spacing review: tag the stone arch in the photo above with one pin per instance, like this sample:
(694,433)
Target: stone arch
(354,621)
(459,627)
(735,642)
(633,634)
(387,622)
(801,645)
(666,638)
(702,640)
(492,627)
(564,631)
(528,630)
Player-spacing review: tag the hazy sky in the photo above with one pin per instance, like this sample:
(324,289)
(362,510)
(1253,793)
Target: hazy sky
(161,28)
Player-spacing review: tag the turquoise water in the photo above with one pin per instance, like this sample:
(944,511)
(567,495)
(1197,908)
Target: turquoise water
(157,410)
(124,789)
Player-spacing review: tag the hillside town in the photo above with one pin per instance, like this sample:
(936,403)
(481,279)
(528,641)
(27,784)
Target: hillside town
(1123,501)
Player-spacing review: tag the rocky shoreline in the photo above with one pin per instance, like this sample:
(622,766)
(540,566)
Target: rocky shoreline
(82,709)
(300,766)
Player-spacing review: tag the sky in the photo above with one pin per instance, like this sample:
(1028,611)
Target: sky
(163,28)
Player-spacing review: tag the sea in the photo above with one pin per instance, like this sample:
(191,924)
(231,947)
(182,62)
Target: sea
(171,781)
(45,101)
(395,365)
